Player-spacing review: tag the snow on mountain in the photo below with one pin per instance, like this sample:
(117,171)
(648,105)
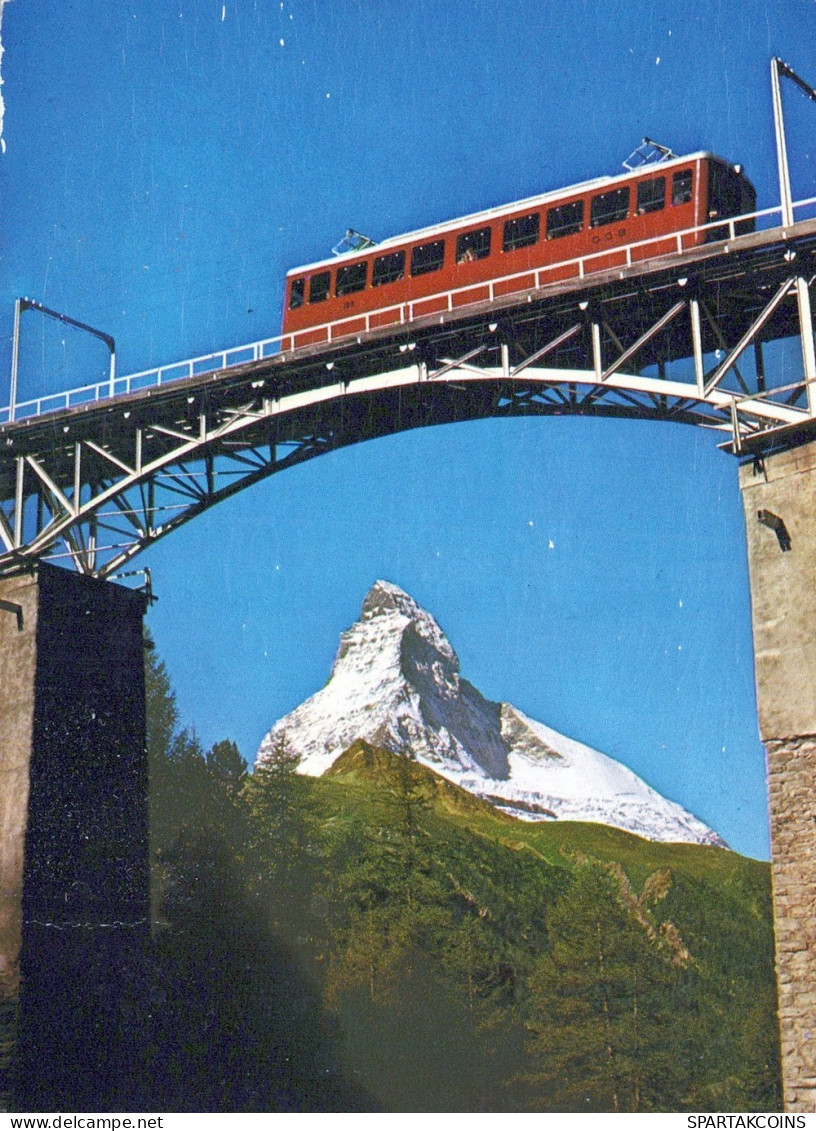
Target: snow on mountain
(395,682)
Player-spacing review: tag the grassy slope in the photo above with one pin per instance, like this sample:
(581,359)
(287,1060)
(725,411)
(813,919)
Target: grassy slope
(357,779)
(716,903)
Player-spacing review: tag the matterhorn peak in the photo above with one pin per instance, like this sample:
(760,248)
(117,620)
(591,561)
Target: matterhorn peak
(395,684)
(400,611)
(384,597)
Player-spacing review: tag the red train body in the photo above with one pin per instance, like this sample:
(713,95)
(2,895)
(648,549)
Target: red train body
(610,222)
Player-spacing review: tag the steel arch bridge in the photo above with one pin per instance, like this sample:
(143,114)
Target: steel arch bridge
(680,338)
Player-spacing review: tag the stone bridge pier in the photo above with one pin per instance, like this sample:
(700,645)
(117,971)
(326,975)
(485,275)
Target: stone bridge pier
(74,906)
(779,497)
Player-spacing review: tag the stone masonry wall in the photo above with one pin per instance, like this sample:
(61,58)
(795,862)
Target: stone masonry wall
(74,876)
(779,498)
(18,658)
(791,777)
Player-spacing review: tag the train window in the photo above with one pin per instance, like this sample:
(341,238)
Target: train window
(351,278)
(565,219)
(388,268)
(609,207)
(427,257)
(681,187)
(521,232)
(296,293)
(651,195)
(473,245)
(319,287)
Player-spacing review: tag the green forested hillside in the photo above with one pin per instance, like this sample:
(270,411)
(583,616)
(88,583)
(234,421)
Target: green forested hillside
(378,939)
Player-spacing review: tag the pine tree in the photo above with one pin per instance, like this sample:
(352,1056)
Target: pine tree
(162,727)
(603,1023)
(408,793)
(195,796)
(162,711)
(226,765)
(273,802)
(385,893)
(277,799)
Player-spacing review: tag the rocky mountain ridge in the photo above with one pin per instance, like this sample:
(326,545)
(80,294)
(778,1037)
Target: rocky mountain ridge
(395,683)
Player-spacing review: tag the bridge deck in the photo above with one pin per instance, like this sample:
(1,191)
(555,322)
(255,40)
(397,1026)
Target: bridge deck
(664,339)
(714,264)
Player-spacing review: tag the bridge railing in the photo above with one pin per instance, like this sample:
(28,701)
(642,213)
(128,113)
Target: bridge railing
(400,314)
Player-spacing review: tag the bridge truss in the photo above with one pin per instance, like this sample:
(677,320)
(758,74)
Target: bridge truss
(685,338)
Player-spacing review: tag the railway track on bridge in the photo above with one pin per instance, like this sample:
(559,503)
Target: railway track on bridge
(677,338)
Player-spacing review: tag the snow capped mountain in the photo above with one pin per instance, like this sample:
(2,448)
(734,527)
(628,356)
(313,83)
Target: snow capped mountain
(395,682)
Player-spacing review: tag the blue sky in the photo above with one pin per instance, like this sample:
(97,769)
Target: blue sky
(167,162)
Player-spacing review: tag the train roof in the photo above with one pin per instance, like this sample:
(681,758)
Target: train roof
(498,210)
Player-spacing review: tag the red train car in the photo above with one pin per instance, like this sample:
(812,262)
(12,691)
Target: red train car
(609,222)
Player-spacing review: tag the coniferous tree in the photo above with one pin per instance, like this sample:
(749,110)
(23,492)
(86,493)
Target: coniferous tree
(762,1052)
(373,936)
(274,795)
(409,798)
(603,1023)
(227,808)
(194,793)
(162,711)
(162,723)
(280,849)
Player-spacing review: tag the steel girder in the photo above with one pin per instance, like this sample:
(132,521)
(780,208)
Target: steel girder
(94,485)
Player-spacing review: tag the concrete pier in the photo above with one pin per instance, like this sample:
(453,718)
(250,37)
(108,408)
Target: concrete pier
(74,880)
(779,497)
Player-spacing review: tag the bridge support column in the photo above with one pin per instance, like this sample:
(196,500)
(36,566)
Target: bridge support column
(779,497)
(74,906)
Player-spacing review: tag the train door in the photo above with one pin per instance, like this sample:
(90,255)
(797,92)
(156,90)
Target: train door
(729,194)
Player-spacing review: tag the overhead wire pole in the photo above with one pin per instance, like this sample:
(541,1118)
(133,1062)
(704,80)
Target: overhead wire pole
(779,69)
(15,358)
(21,304)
